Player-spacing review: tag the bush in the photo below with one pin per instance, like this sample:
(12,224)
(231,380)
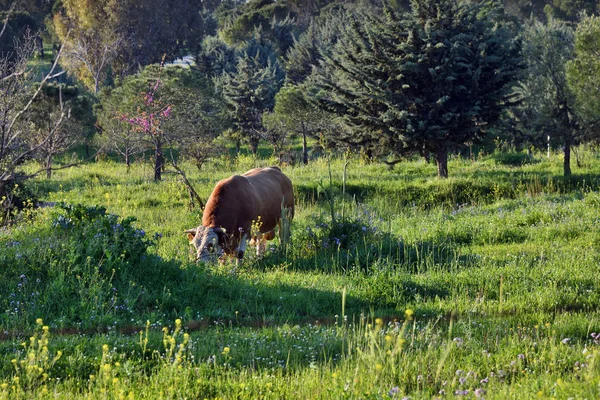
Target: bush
(512,158)
(73,267)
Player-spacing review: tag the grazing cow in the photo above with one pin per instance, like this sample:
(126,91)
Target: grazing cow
(237,208)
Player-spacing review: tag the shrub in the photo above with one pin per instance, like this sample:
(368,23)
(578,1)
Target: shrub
(73,267)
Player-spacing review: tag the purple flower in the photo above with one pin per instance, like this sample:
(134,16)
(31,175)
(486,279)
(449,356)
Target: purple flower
(479,392)
(394,391)
(458,341)
(521,356)
(167,112)
(484,381)
(461,392)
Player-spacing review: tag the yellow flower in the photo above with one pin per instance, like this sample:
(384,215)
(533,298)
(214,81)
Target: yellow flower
(388,338)
(92,377)
(4,386)
(409,313)
(226,350)
(334,375)
(105,348)
(39,321)
(178,322)
(378,367)
(379,322)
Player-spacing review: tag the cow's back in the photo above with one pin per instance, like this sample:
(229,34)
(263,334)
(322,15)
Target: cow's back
(238,201)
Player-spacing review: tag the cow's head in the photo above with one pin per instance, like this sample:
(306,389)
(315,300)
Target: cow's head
(208,242)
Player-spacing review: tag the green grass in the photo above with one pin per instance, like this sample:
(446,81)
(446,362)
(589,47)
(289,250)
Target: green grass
(498,265)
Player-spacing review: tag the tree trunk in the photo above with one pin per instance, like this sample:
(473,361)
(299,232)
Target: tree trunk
(127,161)
(254,146)
(567,161)
(441,159)
(48,167)
(304,149)
(158,162)
(39,43)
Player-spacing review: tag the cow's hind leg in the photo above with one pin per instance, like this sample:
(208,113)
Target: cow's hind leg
(262,242)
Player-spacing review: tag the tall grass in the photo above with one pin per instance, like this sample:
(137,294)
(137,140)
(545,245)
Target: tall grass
(497,267)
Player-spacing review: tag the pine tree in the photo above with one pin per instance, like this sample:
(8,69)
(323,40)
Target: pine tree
(429,80)
(249,91)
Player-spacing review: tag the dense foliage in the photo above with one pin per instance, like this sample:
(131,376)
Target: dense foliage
(431,80)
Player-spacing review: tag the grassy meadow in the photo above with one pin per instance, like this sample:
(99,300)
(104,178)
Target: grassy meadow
(396,285)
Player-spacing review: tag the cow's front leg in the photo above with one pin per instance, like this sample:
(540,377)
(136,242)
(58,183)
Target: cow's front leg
(241,249)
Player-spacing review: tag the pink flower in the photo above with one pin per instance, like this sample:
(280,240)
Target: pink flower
(167,112)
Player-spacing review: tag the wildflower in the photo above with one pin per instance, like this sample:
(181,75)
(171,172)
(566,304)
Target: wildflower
(226,350)
(378,367)
(565,340)
(479,392)
(388,338)
(379,322)
(461,392)
(393,391)
(409,313)
(458,341)
(39,321)
(484,381)
(521,356)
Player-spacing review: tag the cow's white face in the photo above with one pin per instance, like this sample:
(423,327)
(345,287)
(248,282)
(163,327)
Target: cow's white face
(206,242)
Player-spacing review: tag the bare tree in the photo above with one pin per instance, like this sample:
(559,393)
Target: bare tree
(18,91)
(93,56)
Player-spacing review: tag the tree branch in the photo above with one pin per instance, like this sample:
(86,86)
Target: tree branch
(8,14)
(48,76)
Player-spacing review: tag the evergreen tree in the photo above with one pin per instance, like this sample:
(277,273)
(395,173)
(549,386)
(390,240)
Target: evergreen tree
(249,91)
(305,53)
(429,80)
(548,48)
(583,74)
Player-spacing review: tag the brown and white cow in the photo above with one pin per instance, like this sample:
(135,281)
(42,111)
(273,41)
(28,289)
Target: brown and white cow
(260,197)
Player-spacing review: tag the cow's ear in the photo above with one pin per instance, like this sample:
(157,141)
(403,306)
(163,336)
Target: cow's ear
(191,234)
